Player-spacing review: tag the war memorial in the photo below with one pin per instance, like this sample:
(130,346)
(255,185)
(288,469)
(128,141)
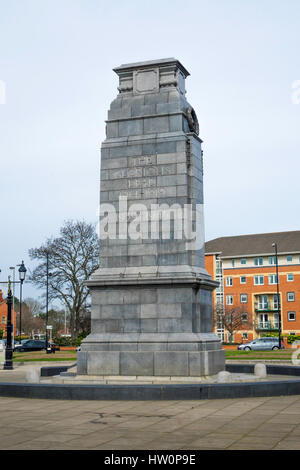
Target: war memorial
(151,321)
(151,296)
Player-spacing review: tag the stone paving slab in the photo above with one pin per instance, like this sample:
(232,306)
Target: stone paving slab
(250,423)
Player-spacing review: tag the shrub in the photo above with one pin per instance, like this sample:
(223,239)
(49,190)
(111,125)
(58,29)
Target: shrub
(273,335)
(65,341)
(292,338)
(19,338)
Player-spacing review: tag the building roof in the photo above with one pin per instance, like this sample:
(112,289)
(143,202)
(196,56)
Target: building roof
(254,244)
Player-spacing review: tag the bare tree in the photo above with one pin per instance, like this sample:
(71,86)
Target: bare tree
(72,257)
(31,322)
(232,318)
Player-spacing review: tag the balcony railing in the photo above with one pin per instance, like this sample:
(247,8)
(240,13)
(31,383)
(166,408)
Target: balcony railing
(265,307)
(266,325)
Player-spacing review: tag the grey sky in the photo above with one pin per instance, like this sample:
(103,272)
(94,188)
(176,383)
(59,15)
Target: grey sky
(56,61)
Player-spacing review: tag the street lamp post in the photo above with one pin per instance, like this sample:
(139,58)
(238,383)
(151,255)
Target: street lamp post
(48,350)
(14,327)
(278,298)
(8,364)
(22,275)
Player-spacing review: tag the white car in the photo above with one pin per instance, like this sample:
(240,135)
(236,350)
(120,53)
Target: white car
(2,344)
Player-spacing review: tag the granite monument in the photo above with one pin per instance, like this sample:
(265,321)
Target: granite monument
(151,296)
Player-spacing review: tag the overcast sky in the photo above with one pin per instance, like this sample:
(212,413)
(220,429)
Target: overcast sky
(56,60)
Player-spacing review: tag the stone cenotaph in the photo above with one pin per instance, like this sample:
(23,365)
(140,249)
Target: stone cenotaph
(151,296)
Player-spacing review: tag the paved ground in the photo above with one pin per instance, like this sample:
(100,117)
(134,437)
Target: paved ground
(253,423)
(250,423)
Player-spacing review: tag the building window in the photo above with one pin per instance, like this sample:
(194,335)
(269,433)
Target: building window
(244,317)
(291,296)
(229,300)
(289,258)
(258,280)
(221,334)
(291,316)
(243,279)
(243,298)
(245,335)
(233,262)
(230,337)
(228,281)
(258,261)
(3,320)
(243,261)
(275,301)
(290,277)
(272,259)
(272,279)
(263,303)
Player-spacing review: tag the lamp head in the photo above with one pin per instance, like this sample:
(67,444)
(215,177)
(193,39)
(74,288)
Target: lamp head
(22,272)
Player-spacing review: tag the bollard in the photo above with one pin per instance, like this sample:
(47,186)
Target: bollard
(223,377)
(260,370)
(32,376)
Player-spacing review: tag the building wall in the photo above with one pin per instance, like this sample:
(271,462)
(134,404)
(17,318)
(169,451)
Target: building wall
(3,317)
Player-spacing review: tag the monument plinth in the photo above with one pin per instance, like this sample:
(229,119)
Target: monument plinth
(151,296)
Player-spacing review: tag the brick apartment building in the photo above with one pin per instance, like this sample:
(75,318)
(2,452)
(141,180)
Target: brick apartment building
(245,267)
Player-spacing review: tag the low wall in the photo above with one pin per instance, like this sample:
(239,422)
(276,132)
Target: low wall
(162,391)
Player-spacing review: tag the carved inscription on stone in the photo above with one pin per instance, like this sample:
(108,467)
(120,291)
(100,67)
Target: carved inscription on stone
(141,175)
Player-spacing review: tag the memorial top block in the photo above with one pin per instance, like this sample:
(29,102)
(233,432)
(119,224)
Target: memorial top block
(151,76)
(151,100)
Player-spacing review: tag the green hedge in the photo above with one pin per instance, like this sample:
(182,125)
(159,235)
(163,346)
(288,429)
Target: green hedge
(65,341)
(61,341)
(273,335)
(19,338)
(292,338)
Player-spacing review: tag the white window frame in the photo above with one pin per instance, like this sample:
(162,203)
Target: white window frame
(287,277)
(288,315)
(231,299)
(288,295)
(221,334)
(242,301)
(289,260)
(241,277)
(272,277)
(259,278)
(228,281)
(230,337)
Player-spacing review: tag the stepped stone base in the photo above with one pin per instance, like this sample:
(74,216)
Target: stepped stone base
(160,359)
(151,330)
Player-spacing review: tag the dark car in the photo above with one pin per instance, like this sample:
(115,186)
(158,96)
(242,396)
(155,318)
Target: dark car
(34,345)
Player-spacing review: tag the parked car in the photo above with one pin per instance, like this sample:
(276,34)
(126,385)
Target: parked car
(2,344)
(261,344)
(34,345)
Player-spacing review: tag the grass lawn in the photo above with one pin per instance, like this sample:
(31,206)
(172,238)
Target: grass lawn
(283,355)
(40,356)
(43,356)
